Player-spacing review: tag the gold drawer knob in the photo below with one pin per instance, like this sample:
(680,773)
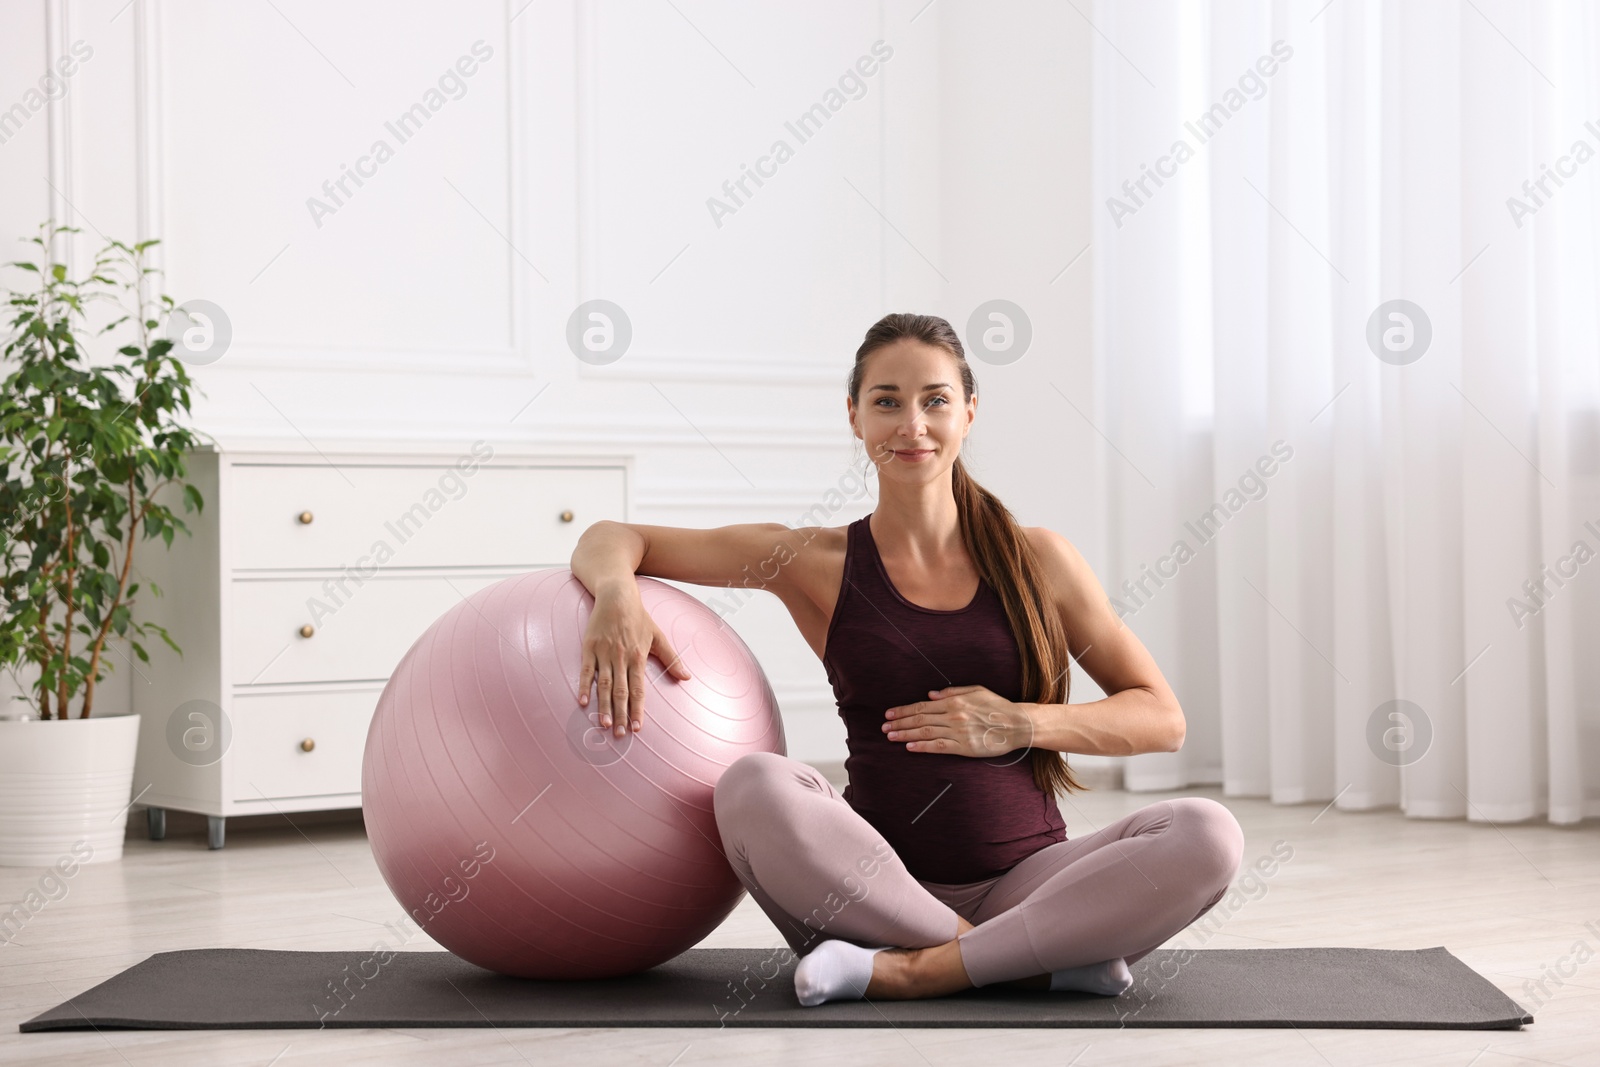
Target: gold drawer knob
(305,518)
(307,630)
(566,516)
(307,745)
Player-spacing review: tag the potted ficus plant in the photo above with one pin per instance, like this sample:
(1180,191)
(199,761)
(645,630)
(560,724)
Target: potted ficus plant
(84,448)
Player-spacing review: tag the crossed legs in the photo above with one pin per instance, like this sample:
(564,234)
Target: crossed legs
(822,872)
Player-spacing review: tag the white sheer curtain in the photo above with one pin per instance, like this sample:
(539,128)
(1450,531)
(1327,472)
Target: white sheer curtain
(1428,530)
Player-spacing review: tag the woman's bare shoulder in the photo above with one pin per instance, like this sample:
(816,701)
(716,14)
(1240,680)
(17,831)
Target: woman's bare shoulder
(1063,564)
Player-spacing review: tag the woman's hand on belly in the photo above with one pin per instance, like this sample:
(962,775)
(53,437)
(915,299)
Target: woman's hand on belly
(961,720)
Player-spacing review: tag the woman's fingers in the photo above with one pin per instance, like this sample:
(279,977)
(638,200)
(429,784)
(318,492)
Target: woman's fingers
(968,740)
(637,679)
(907,728)
(603,693)
(611,679)
(586,675)
(663,650)
(909,722)
(627,700)
(619,697)
(621,678)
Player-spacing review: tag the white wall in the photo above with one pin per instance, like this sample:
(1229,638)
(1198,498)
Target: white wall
(576,164)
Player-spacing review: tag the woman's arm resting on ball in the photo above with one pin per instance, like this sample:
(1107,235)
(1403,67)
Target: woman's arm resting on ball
(621,635)
(607,557)
(1140,712)
(755,555)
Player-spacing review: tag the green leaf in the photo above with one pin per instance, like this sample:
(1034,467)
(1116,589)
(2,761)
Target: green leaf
(169,642)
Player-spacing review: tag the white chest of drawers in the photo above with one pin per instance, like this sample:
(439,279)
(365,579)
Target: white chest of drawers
(306,578)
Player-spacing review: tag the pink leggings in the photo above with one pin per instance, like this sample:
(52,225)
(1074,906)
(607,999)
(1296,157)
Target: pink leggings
(819,870)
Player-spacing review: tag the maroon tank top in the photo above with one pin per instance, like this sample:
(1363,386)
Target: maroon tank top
(951,819)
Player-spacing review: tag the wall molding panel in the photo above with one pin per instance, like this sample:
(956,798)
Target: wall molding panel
(153,157)
(755,369)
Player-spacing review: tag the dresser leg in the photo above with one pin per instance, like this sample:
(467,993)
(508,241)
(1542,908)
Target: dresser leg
(157,821)
(214,825)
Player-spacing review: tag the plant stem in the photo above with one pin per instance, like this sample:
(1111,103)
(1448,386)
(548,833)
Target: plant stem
(49,652)
(122,587)
(46,302)
(63,700)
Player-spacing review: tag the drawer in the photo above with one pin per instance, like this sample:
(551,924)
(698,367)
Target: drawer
(358,636)
(267,760)
(426,516)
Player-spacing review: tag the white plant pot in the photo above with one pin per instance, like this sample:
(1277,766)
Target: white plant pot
(64,783)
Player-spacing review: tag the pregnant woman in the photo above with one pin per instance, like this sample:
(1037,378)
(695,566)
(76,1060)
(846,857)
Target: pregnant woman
(947,631)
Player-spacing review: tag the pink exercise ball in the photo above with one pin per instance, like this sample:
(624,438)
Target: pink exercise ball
(521,836)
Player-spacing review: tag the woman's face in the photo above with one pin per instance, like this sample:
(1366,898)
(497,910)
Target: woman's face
(912,417)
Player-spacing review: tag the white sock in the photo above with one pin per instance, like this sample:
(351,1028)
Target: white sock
(1109,979)
(834,970)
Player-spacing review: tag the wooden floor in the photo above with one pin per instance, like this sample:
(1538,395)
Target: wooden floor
(1511,901)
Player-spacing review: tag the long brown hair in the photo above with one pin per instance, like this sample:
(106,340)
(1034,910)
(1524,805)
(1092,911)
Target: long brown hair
(999,549)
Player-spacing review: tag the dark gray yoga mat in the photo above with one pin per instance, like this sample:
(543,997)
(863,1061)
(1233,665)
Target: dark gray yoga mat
(243,988)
